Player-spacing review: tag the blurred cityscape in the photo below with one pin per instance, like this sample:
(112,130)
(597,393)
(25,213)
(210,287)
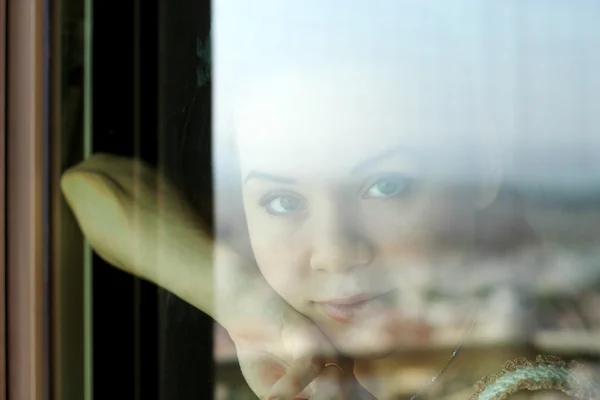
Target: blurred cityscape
(543,298)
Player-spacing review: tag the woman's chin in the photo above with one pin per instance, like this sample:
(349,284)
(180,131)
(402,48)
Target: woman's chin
(365,352)
(379,338)
(364,344)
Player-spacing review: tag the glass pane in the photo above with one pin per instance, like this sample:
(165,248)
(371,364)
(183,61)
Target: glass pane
(384,199)
(414,178)
(130,96)
(71,269)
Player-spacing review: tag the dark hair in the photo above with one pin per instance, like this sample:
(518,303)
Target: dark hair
(187,151)
(185,157)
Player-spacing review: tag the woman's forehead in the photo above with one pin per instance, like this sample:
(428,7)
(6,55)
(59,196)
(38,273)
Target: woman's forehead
(339,119)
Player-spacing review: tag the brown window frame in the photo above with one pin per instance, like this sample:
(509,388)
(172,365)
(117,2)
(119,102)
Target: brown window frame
(41,316)
(3,375)
(24,195)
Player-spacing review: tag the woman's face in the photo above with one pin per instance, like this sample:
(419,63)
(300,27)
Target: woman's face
(352,194)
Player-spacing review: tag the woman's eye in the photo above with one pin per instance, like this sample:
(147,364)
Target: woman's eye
(283,204)
(387,187)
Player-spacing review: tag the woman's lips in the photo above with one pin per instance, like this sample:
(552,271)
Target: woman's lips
(348,309)
(343,313)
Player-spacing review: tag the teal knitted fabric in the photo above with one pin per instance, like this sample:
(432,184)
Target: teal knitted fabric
(542,375)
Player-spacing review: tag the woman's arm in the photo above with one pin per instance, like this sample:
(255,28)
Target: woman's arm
(137,221)
(134,219)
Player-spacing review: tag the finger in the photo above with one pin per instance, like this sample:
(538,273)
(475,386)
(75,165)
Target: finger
(329,385)
(303,339)
(261,370)
(297,378)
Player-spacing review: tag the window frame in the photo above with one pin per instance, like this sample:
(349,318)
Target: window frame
(24,169)
(3,373)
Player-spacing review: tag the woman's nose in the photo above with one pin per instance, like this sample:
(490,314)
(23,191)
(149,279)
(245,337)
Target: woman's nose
(339,247)
(340,256)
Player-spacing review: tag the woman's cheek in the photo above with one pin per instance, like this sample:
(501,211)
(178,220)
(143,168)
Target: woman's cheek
(397,226)
(281,262)
(411,238)
(280,249)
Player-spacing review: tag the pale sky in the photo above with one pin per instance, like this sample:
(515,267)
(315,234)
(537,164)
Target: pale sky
(535,63)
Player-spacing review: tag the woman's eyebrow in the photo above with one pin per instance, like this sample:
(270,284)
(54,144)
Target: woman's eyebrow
(269,177)
(394,151)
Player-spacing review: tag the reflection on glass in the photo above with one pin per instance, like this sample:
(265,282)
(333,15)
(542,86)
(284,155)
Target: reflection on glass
(391,169)
(406,198)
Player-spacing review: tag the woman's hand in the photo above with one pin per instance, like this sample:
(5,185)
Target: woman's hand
(282,354)
(276,374)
